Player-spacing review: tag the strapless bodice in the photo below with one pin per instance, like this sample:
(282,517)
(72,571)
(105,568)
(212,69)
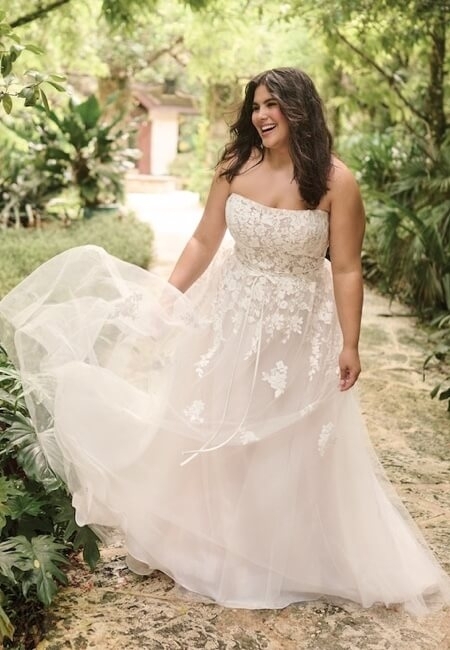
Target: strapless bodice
(277,240)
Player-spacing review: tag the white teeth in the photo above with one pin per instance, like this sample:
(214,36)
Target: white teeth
(269,127)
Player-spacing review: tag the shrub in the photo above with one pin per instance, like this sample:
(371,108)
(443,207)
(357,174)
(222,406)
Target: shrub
(37,524)
(25,249)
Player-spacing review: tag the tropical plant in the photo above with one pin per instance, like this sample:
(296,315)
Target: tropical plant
(74,147)
(31,172)
(37,525)
(408,206)
(440,339)
(94,150)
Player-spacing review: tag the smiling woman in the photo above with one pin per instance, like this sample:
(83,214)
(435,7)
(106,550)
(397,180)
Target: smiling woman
(268,118)
(212,418)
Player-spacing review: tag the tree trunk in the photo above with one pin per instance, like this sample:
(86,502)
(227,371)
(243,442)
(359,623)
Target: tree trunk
(436,86)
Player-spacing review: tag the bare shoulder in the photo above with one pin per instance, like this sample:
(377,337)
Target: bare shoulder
(219,189)
(344,192)
(342,179)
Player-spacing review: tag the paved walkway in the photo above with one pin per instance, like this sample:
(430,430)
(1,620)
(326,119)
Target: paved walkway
(113,609)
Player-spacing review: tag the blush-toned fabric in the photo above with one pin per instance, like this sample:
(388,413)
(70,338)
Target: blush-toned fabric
(209,428)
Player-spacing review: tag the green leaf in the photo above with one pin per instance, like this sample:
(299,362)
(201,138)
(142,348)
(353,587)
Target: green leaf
(36,75)
(56,86)
(5,30)
(44,557)
(88,541)
(81,536)
(445,394)
(89,111)
(44,100)
(34,48)
(13,556)
(7,103)
(5,66)
(435,391)
(26,92)
(27,503)
(22,441)
(7,490)
(14,52)
(6,627)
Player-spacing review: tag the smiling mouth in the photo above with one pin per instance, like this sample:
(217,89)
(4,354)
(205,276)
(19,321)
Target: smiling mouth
(267,129)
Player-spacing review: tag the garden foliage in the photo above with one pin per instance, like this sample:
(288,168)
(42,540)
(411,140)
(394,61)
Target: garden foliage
(73,147)
(38,532)
(25,249)
(37,525)
(29,88)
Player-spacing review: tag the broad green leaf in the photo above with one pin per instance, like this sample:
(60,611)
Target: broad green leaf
(44,557)
(89,111)
(6,627)
(7,491)
(26,504)
(81,536)
(13,556)
(88,541)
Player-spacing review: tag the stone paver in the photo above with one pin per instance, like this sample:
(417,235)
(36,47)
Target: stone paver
(113,609)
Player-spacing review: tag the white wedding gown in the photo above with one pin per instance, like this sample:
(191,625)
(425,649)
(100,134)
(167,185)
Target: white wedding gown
(209,428)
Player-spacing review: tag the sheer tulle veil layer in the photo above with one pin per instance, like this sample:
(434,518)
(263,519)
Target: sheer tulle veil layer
(208,427)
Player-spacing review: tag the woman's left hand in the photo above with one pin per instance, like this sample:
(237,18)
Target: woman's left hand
(349,368)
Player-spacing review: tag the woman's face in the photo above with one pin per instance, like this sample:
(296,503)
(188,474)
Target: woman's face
(268,120)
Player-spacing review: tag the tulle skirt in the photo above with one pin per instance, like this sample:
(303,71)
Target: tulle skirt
(209,429)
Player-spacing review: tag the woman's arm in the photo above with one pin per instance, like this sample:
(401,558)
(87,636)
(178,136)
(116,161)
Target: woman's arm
(206,239)
(347,223)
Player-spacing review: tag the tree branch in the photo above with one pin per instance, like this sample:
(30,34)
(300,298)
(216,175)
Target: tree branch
(386,75)
(164,50)
(38,13)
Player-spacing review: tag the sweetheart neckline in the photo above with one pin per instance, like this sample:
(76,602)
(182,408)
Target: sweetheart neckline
(270,207)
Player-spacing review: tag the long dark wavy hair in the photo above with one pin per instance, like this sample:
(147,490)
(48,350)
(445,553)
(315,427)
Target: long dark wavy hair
(310,139)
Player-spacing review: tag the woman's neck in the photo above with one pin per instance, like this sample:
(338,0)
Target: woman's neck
(278,158)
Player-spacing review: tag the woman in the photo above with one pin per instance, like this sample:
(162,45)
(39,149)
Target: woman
(210,418)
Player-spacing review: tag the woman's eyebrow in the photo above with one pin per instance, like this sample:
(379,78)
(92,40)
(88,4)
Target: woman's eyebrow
(266,101)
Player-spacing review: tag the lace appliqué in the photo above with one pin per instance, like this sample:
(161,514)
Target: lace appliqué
(273,288)
(325,437)
(277,378)
(247,436)
(128,307)
(194,411)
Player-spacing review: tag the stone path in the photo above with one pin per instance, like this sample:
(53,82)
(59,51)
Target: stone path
(113,609)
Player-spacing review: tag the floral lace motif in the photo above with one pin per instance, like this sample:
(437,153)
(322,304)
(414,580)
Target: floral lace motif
(277,378)
(273,287)
(325,437)
(247,436)
(194,411)
(128,307)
